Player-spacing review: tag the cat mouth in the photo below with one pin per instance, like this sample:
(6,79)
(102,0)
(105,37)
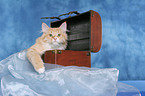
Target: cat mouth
(55,42)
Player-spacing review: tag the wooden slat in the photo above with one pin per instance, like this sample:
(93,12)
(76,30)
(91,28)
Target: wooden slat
(49,57)
(96,31)
(82,45)
(78,36)
(74,58)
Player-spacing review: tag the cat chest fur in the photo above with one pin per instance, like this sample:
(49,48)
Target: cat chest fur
(84,37)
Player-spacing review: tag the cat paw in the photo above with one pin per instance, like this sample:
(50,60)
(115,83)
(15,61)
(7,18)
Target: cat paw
(41,70)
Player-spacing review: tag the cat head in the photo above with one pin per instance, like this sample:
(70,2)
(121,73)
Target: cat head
(54,35)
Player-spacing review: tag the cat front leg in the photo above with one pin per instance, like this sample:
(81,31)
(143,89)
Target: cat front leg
(35,59)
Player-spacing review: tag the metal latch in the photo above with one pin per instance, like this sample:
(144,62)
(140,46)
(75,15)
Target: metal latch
(92,49)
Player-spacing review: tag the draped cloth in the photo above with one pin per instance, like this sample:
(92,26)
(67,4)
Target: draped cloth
(18,78)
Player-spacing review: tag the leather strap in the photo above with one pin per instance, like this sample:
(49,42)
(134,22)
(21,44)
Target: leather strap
(69,13)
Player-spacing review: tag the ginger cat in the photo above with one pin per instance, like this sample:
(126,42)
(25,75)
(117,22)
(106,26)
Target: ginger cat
(51,39)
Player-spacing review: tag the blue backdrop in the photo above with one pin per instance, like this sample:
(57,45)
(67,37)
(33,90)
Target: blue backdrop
(123,22)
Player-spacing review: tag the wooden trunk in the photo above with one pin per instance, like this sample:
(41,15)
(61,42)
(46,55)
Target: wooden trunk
(68,57)
(84,37)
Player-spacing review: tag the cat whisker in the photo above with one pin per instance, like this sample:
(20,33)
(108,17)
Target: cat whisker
(67,30)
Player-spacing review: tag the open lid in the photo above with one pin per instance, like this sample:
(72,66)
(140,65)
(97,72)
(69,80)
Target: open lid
(85,31)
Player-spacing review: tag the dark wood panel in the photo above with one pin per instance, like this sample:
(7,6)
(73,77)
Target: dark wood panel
(79,26)
(82,45)
(78,36)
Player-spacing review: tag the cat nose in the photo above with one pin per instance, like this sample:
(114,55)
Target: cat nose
(55,38)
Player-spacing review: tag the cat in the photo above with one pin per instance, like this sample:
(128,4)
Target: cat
(51,39)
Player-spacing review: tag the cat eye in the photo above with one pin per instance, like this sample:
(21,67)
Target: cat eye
(59,34)
(50,35)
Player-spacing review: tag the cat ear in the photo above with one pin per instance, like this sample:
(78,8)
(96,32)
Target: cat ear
(44,27)
(63,26)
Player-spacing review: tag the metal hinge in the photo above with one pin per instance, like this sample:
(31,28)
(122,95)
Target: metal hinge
(56,51)
(59,51)
(88,54)
(92,49)
(92,13)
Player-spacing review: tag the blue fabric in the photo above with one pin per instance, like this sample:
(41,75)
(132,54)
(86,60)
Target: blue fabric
(122,22)
(18,78)
(140,84)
